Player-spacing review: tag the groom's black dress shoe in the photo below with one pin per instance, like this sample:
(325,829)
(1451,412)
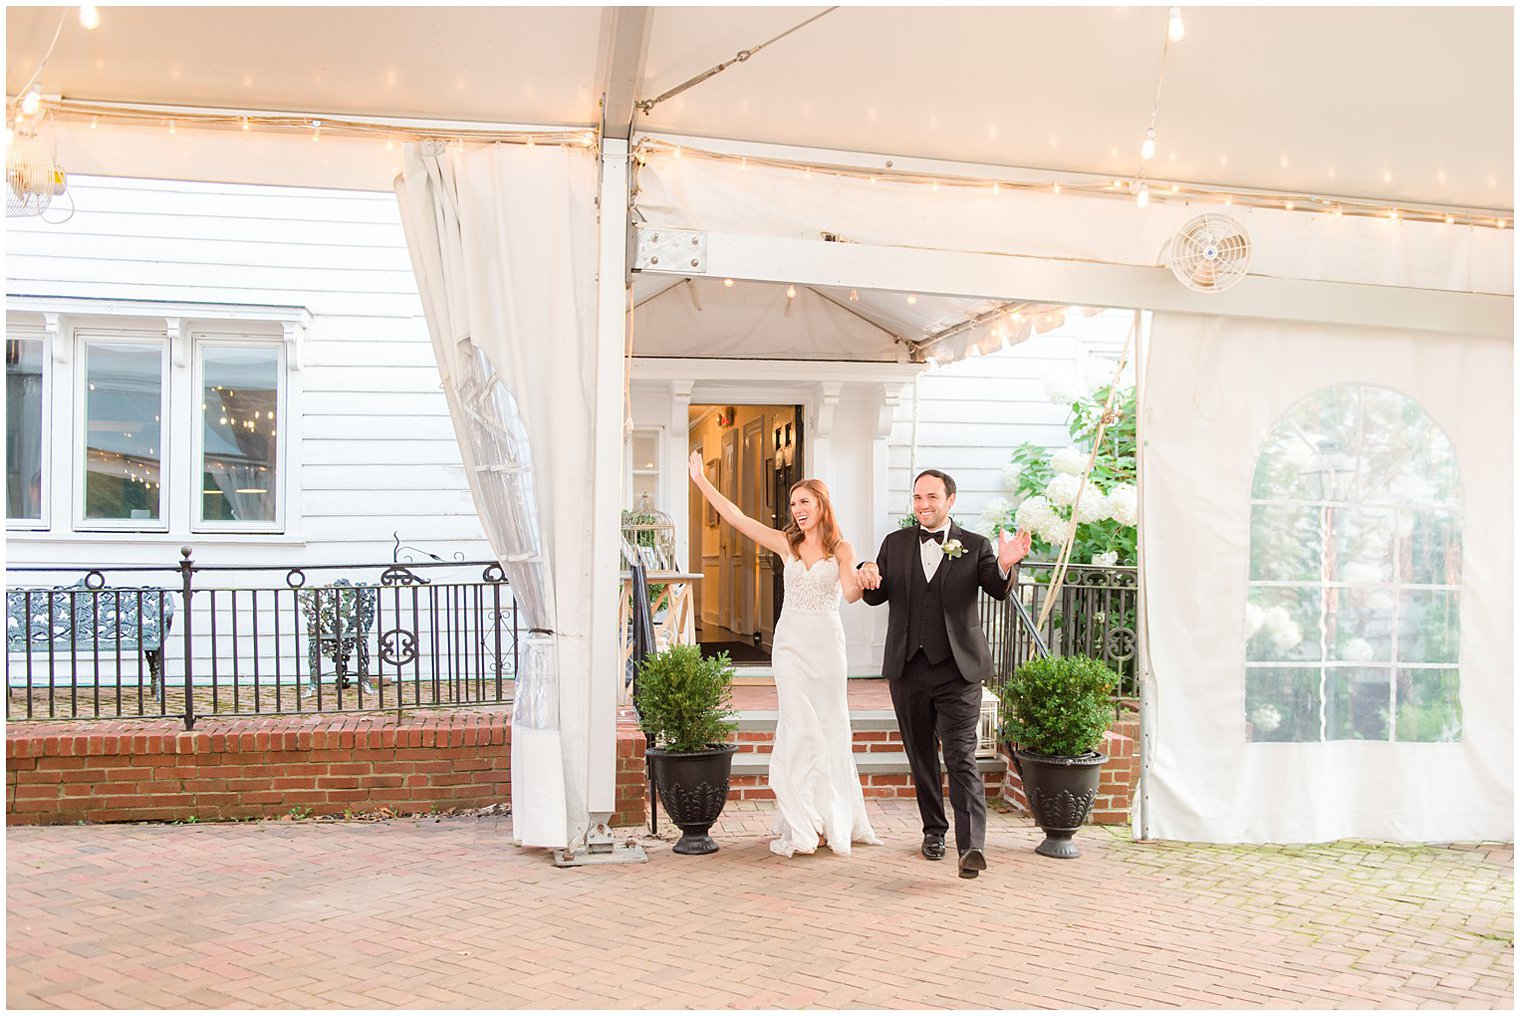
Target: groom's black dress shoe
(934,847)
(972,862)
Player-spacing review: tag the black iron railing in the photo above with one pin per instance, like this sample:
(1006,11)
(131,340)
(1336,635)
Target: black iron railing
(194,640)
(1095,615)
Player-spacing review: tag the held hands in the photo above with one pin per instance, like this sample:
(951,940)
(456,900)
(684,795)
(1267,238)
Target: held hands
(869,576)
(1012,548)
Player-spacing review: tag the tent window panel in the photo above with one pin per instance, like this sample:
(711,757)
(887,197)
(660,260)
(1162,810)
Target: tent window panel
(25,470)
(239,434)
(1355,564)
(123,426)
(1358,703)
(1283,703)
(1429,705)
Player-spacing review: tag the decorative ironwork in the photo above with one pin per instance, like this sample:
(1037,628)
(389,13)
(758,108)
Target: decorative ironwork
(269,639)
(398,647)
(401,575)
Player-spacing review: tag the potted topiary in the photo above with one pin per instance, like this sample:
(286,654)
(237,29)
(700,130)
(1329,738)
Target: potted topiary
(1055,711)
(683,702)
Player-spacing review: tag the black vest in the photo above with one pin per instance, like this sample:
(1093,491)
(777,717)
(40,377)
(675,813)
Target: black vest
(926,623)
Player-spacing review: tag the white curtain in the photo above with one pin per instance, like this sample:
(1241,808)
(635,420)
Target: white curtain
(502,239)
(1255,435)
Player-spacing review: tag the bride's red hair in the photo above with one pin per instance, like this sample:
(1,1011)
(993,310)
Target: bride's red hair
(828,529)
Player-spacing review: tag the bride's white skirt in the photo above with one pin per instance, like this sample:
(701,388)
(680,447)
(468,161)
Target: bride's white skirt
(812,767)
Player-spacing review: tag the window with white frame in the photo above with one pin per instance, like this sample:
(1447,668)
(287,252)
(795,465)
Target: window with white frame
(122,404)
(148,423)
(26,439)
(643,457)
(1352,619)
(237,446)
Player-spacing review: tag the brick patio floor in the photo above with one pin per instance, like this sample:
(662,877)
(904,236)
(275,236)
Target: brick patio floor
(434,913)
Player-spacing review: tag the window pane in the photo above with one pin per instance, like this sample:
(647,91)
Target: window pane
(1282,703)
(1428,626)
(1430,551)
(1430,706)
(1363,544)
(1282,624)
(645,446)
(1285,543)
(23,429)
(123,400)
(239,433)
(1356,703)
(1361,624)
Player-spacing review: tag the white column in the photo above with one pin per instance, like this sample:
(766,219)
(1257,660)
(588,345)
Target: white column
(612,267)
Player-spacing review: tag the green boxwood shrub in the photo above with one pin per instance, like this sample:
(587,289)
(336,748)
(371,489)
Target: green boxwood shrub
(685,701)
(1057,706)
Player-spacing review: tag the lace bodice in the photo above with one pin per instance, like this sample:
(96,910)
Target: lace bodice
(812,590)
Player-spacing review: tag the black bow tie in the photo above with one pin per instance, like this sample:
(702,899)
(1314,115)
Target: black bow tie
(924,536)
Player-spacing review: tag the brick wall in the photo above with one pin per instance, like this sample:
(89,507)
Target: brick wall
(1116,784)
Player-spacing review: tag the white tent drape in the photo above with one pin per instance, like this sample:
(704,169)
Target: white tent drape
(1316,591)
(502,239)
(694,192)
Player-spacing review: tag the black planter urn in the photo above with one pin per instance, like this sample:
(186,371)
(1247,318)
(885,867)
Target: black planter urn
(1060,790)
(693,787)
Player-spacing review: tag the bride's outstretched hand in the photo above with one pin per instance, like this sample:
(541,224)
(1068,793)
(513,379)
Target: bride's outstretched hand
(696,466)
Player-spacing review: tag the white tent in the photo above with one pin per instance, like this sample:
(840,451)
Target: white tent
(980,160)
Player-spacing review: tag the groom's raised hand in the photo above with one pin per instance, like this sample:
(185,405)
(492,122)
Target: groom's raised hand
(1012,548)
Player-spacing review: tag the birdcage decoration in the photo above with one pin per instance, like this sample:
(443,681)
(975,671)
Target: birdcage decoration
(649,538)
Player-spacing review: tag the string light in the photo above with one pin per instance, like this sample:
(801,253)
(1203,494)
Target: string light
(89,17)
(171,126)
(316,131)
(1142,195)
(94,122)
(246,125)
(31,100)
(1148,146)
(728,283)
(1289,205)
(912,298)
(854,296)
(1175,29)
(791,292)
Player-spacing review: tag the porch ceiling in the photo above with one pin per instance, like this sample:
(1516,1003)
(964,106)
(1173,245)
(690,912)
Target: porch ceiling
(1408,104)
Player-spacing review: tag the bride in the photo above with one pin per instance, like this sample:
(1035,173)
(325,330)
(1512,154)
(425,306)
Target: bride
(812,767)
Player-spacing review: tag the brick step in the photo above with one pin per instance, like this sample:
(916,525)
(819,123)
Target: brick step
(882,775)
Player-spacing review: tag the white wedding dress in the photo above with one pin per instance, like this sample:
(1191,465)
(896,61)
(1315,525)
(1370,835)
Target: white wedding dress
(812,771)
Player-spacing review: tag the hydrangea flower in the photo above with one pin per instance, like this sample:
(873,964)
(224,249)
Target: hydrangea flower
(1255,618)
(1282,630)
(1070,460)
(1011,474)
(1062,489)
(1093,507)
(1107,559)
(1123,506)
(996,513)
(1266,718)
(1357,650)
(1100,371)
(1062,391)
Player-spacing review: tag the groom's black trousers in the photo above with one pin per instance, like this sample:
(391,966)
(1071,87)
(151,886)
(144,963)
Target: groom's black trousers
(934,703)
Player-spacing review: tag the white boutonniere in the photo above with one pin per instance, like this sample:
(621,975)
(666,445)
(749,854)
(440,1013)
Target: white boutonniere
(952,549)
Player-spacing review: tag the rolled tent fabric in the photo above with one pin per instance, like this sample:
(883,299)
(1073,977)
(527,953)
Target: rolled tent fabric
(1329,571)
(502,240)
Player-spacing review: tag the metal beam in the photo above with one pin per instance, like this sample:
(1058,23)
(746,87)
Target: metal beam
(625,43)
(1044,280)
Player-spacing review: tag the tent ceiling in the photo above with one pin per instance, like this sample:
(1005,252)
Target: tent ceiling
(1412,104)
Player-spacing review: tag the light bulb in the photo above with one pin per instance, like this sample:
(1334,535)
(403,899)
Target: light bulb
(678,150)
(171,126)
(31,100)
(1148,146)
(1499,223)
(1055,188)
(94,122)
(791,292)
(743,162)
(246,124)
(912,298)
(390,144)
(1450,218)
(1175,29)
(997,186)
(316,131)
(854,296)
(1142,196)
(728,283)
(89,17)
(1289,205)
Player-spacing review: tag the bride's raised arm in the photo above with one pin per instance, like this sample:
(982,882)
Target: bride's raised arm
(849,578)
(772,540)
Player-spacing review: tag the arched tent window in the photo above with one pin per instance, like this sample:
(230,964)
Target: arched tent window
(1352,621)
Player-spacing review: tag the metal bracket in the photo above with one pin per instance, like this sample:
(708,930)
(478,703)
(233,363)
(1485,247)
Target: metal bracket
(601,847)
(671,250)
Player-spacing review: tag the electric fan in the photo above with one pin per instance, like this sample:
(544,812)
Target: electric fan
(1210,253)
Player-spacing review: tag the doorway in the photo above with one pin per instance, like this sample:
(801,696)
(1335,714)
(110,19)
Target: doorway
(752,454)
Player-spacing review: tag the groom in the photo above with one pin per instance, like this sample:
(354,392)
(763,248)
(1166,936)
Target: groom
(937,657)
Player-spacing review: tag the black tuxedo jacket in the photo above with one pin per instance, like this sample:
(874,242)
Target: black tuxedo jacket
(962,576)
